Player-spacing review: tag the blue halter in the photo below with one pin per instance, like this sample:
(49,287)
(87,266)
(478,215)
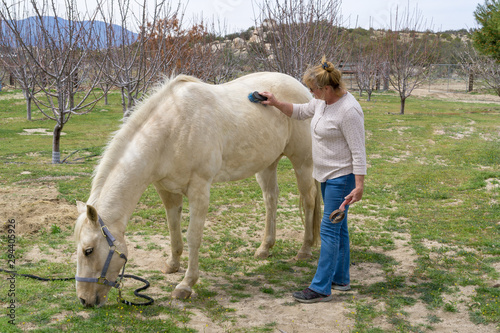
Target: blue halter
(112,249)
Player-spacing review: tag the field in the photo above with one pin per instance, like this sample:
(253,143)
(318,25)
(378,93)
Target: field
(425,239)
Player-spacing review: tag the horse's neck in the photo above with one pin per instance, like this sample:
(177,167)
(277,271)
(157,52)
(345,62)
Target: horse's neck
(117,193)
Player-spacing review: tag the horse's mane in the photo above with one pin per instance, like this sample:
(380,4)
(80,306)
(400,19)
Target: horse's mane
(141,112)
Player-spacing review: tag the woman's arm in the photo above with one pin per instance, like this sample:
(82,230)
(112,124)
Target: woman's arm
(357,193)
(286,108)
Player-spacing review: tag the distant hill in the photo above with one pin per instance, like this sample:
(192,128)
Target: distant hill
(29,30)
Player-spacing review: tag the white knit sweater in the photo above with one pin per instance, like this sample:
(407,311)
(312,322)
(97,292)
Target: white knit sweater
(338,136)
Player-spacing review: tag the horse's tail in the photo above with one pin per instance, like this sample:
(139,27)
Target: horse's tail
(318,216)
(317,213)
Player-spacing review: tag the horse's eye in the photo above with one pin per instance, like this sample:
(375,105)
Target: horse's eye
(88,251)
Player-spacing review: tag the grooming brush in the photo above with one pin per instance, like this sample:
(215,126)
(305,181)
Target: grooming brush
(255,97)
(338,215)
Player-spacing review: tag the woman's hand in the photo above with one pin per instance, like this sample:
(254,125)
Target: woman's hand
(354,196)
(357,193)
(286,108)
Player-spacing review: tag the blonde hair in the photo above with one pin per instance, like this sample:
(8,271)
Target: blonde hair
(324,74)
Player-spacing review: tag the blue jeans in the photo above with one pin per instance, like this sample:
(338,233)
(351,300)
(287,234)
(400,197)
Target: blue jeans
(334,257)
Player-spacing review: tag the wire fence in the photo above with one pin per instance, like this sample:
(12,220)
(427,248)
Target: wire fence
(449,78)
(442,78)
(452,78)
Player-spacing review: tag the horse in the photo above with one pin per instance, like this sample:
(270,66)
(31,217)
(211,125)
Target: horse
(184,137)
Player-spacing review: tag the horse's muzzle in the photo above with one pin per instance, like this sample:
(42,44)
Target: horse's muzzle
(89,304)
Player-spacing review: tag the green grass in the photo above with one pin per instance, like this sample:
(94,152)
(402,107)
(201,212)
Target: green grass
(426,185)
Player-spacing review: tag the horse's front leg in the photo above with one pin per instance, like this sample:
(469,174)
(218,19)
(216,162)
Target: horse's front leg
(173,209)
(199,197)
(268,181)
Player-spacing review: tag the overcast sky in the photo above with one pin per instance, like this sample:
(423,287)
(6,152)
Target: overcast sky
(439,15)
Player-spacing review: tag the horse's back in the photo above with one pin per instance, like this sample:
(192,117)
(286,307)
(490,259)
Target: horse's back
(223,135)
(283,86)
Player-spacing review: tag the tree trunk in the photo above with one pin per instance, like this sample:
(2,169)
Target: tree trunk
(28,108)
(131,101)
(27,96)
(403,101)
(56,139)
(471,82)
(386,78)
(124,106)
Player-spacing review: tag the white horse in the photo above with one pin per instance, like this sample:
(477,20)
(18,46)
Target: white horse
(184,137)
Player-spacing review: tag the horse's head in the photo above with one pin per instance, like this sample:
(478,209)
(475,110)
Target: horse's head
(100,257)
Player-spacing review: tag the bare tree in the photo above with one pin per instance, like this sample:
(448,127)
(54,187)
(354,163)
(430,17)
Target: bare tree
(15,62)
(294,34)
(26,80)
(136,60)
(57,52)
(205,55)
(369,66)
(226,62)
(410,52)
(490,72)
(480,66)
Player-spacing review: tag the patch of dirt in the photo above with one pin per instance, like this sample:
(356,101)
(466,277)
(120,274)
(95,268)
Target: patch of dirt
(11,96)
(37,131)
(294,317)
(367,273)
(287,315)
(36,254)
(149,253)
(492,184)
(456,97)
(403,253)
(37,208)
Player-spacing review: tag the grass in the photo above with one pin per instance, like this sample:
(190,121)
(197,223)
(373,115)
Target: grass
(432,185)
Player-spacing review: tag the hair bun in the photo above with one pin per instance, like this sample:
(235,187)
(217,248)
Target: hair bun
(326,66)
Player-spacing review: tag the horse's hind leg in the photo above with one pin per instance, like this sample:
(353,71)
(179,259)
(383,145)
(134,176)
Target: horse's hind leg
(311,200)
(268,181)
(173,208)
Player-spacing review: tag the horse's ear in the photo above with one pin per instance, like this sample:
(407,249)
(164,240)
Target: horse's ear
(92,214)
(81,207)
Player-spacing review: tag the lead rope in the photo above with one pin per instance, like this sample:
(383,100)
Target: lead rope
(136,292)
(120,298)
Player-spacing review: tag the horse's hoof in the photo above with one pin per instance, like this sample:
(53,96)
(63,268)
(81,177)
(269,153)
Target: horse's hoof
(303,256)
(181,294)
(170,269)
(261,254)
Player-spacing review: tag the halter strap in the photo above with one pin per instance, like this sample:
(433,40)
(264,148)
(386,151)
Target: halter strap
(112,249)
(106,233)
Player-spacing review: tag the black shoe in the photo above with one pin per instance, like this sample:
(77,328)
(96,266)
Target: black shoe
(310,296)
(341,287)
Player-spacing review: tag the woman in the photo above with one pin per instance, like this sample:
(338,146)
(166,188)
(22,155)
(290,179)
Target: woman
(339,158)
